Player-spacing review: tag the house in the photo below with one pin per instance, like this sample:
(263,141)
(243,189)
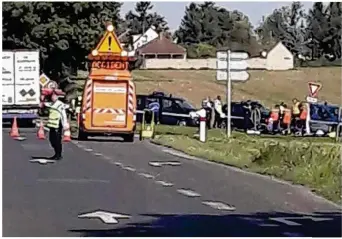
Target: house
(276,57)
(162,48)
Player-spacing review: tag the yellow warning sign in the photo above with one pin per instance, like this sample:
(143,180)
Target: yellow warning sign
(43,80)
(109,43)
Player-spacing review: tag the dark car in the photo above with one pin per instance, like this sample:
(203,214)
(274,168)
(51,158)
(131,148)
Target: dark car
(172,111)
(237,114)
(324,117)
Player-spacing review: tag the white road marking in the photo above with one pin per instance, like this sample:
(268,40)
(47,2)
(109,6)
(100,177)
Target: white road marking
(292,234)
(188,193)
(42,161)
(98,154)
(288,220)
(268,225)
(88,150)
(159,164)
(219,206)
(129,169)
(106,217)
(172,163)
(165,184)
(155,164)
(146,175)
(20,138)
(72,180)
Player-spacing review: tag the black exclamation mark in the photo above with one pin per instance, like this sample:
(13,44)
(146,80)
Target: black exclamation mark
(109,42)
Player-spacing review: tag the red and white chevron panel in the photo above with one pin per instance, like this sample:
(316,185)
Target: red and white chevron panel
(109,111)
(131,107)
(88,93)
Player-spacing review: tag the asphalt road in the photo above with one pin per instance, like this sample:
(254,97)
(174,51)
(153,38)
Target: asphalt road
(181,197)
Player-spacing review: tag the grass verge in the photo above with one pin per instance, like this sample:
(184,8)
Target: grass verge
(313,162)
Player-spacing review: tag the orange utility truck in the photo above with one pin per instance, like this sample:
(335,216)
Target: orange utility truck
(109,98)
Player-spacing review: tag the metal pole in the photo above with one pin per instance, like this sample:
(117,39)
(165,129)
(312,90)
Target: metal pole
(229,96)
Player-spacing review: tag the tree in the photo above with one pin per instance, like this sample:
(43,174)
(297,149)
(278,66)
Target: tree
(142,19)
(287,25)
(63,32)
(217,27)
(324,29)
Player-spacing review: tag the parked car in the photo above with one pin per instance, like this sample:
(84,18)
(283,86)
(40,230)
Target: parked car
(324,118)
(172,111)
(237,113)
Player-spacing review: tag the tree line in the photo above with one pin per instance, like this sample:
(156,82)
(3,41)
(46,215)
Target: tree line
(65,32)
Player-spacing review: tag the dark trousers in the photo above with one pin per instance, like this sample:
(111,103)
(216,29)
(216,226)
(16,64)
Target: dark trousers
(218,121)
(246,122)
(55,137)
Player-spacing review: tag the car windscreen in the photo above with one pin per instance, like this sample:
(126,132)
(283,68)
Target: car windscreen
(184,104)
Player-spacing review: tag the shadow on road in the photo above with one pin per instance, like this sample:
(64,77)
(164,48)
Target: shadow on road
(41,157)
(233,225)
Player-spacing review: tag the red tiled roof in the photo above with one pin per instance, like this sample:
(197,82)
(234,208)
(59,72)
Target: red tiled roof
(161,45)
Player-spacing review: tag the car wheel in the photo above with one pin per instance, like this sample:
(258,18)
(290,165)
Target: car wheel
(182,123)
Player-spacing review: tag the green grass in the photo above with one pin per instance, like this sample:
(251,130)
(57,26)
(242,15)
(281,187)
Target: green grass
(313,162)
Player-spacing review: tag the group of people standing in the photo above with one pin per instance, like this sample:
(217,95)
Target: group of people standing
(214,110)
(288,120)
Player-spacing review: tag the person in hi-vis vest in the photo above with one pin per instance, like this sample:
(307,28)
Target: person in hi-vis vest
(56,122)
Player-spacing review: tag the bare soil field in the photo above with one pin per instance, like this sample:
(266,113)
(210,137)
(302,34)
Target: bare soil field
(269,87)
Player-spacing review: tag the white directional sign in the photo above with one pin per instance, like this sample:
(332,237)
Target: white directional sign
(42,161)
(236,65)
(234,75)
(106,217)
(231,66)
(238,56)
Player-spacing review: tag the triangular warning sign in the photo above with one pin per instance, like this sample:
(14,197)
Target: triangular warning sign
(109,44)
(314,87)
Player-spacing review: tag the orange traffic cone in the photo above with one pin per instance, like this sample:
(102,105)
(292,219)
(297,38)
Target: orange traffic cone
(14,130)
(41,133)
(67,134)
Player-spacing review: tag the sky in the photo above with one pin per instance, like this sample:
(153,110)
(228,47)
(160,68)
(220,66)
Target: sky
(174,11)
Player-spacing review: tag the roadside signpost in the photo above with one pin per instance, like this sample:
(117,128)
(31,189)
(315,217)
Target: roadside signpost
(314,87)
(231,66)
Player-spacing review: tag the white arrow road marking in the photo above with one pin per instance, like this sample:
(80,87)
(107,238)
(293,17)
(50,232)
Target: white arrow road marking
(188,193)
(106,217)
(129,169)
(88,150)
(42,161)
(288,220)
(146,175)
(165,184)
(219,205)
(20,138)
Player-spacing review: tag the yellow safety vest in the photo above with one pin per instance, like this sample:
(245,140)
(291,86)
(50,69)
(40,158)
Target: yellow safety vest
(295,108)
(55,114)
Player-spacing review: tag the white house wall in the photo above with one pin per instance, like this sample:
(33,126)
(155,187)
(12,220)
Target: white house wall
(279,58)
